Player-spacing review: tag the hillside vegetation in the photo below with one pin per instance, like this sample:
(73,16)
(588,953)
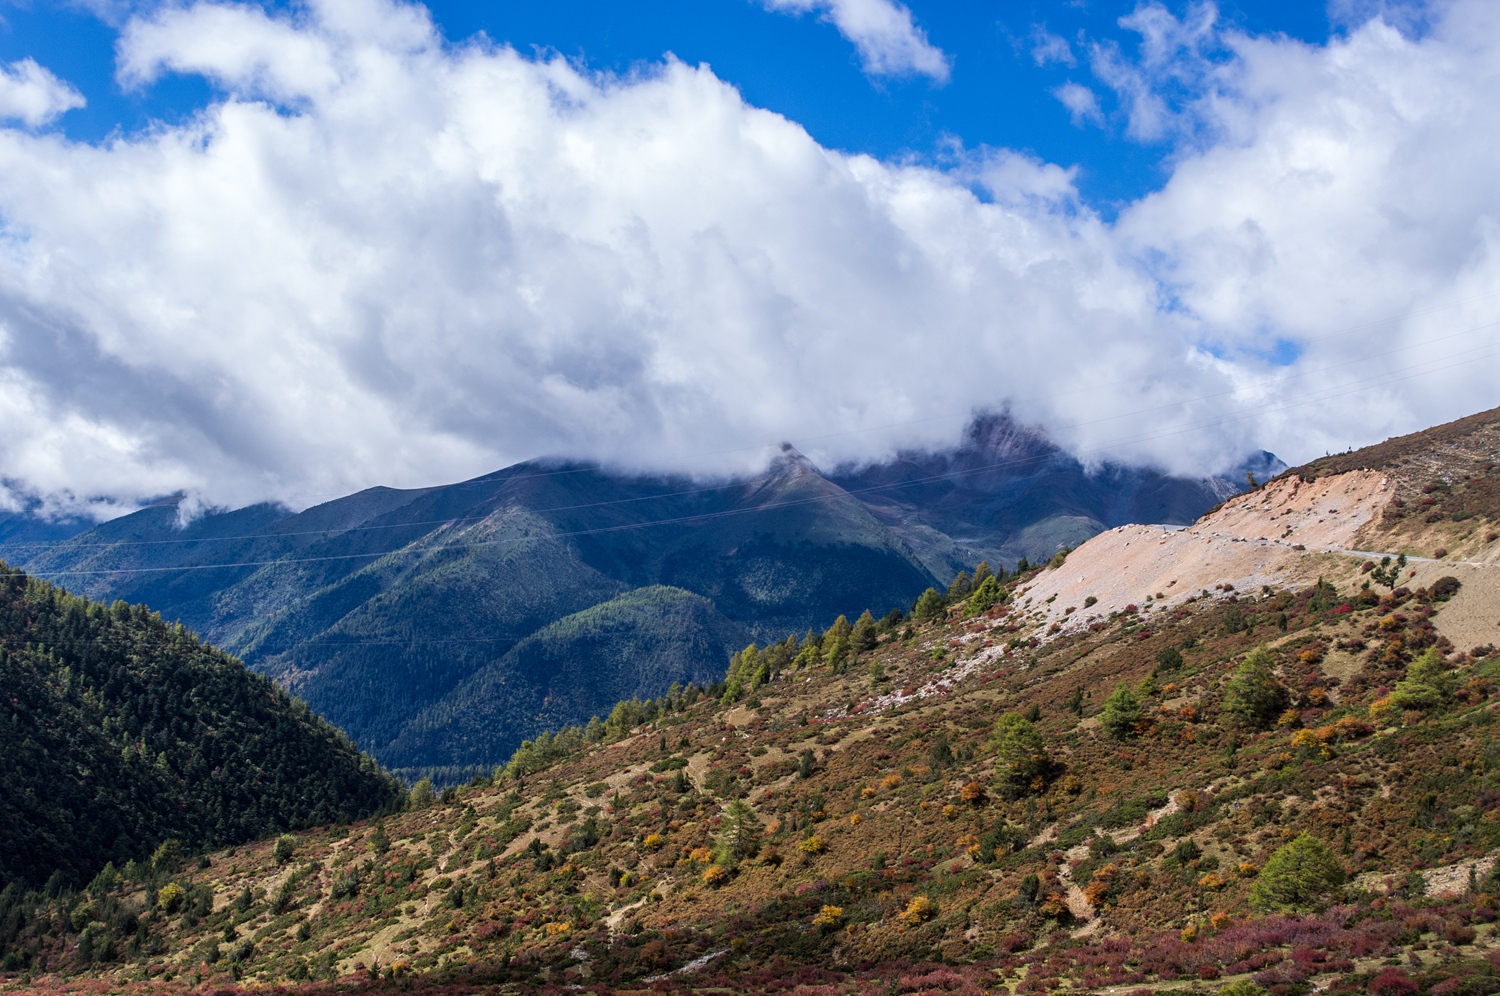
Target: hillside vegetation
(1248,790)
(119,732)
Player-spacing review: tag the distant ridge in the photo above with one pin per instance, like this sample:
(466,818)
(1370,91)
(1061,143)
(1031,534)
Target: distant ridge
(392,611)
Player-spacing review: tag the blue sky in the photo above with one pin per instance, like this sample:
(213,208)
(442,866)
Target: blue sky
(797,65)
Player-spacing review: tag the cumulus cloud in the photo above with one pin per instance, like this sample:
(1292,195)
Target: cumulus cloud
(32,95)
(888,39)
(383,258)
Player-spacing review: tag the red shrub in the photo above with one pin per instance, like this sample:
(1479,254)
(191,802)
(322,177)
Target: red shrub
(1457,934)
(1208,972)
(1392,982)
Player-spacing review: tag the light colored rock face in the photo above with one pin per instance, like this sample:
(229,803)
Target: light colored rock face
(1250,542)
(1325,514)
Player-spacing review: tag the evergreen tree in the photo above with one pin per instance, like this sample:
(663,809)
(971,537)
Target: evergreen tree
(863,638)
(1428,683)
(1122,711)
(740,836)
(985,595)
(1022,764)
(1299,877)
(1254,697)
(929,607)
(836,644)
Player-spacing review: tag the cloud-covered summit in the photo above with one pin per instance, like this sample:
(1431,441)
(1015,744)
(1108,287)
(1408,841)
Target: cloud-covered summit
(381,257)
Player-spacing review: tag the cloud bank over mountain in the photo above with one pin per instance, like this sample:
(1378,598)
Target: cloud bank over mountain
(380,257)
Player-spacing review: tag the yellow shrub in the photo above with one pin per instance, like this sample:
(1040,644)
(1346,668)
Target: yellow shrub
(1220,920)
(715,876)
(170,897)
(867,793)
(1248,870)
(890,781)
(917,912)
(1379,708)
(813,845)
(829,916)
(557,929)
(654,841)
(1305,738)
(1211,881)
(773,828)
(855,819)
(1189,933)
(702,855)
(950,810)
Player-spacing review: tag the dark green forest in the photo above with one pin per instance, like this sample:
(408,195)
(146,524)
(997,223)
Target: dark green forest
(119,731)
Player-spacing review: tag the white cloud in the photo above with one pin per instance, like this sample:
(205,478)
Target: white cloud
(1080,102)
(385,259)
(32,95)
(1047,47)
(1175,59)
(888,39)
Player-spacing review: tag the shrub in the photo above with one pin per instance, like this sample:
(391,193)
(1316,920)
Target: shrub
(715,876)
(917,912)
(813,845)
(828,917)
(284,848)
(1298,877)
(1169,659)
(170,898)
(653,841)
(1244,987)
(1392,982)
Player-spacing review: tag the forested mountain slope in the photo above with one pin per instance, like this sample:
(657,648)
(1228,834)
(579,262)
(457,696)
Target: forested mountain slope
(118,731)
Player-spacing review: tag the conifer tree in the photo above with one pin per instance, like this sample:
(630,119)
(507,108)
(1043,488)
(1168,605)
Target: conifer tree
(1122,711)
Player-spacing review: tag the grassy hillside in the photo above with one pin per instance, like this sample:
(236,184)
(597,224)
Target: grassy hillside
(118,731)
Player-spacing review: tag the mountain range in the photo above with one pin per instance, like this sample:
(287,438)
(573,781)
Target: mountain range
(1256,756)
(541,593)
